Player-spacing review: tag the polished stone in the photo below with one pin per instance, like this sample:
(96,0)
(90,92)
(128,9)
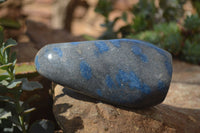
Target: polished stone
(122,72)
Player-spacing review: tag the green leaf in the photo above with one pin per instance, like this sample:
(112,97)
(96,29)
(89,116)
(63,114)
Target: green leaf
(4,77)
(29,110)
(5,66)
(42,126)
(4,83)
(13,58)
(9,43)
(14,84)
(4,114)
(30,85)
(6,99)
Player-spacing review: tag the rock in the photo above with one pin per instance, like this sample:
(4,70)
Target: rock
(114,71)
(41,35)
(77,113)
(26,52)
(184,90)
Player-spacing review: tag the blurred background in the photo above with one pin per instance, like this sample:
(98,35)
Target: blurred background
(173,25)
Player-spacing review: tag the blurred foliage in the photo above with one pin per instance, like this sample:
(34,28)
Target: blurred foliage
(104,7)
(1,1)
(9,23)
(162,24)
(196,4)
(164,33)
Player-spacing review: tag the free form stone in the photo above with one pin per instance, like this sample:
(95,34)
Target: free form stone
(123,72)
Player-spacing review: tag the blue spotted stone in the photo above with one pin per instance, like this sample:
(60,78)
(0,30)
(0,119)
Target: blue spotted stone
(122,72)
(85,70)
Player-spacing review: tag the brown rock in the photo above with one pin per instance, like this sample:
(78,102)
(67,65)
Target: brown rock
(77,113)
(41,35)
(180,111)
(25,52)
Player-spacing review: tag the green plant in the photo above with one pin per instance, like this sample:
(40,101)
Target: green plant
(14,113)
(165,35)
(191,33)
(161,25)
(104,7)
(144,19)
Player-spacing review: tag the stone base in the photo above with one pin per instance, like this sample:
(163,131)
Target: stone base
(78,113)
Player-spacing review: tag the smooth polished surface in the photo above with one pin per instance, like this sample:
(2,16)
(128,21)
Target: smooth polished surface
(123,72)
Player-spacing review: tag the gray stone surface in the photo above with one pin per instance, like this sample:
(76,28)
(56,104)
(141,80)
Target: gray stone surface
(122,71)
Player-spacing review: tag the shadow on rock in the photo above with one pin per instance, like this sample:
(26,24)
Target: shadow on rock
(72,125)
(78,96)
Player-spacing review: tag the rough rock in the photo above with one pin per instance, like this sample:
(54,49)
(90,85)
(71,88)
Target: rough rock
(114,71)
(179,113)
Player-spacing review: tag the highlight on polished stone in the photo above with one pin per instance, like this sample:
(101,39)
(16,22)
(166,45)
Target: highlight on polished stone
(122,72)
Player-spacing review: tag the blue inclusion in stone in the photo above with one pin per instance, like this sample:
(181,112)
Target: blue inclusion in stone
(130,78)
(86,71)
(116,43)
(135,81)
(145,89)
(121,77)
(58,51)
(138,51)
(37,64)
(99,92)
(161,85)
(102,46)
(109,82)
